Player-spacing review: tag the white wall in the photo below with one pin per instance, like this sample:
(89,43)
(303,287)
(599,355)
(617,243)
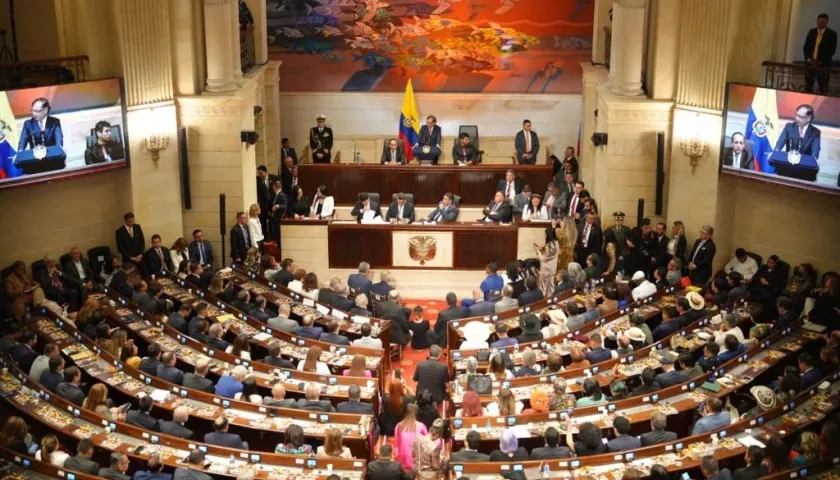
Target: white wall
(807,19)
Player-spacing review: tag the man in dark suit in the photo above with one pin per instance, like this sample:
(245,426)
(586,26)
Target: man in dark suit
(384,468)
(400,211)
(56,287)
(465,153)
(497,211)
(447,211)
(286,151)
(820,46)
(221,437)
(427,148)
(78,272)
(105,148)
(176,427)
(167,369)
(365,208)
(737,155)
(201,250)
(701,257)
(510,186)
(265,194)
(279,205)
(432,375)
(532,292)
(178,319)
(391,306)
(258,310)
(69,389)
(712,471)
(321,141)
(755,469)
(470,453)
(658,434)
(669,376)
(131,243)
(52,377)
(313,401)
(157,258)
(198,380)
(41,129)
(392,153)
(552,448)
(360,280)
(141,416)
(240,239)
(589,239)
(333,334)
(308,329)
(660,250)
(574,206)
(811,376)
(289,175)
(354,403)
(286,272)
(23,352)
(801,134)
(82,461)
(274,359)
(452,312)
(568,166)
(623,440)
(527,145)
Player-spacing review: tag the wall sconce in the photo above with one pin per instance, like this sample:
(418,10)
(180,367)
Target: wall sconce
(693,148)
(155,143)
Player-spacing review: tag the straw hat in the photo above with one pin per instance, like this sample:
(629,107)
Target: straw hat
(695,301)
(764,396)
(635,334)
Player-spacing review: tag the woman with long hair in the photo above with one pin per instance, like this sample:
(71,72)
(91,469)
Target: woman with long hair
(183,269)
(394,405)
(323,205)
(97,401)
(49,451)
(677,243)
(250,392)
(294,444)
(505,404)
(118,338)
(358,368)
(241,347)
(129,355)
(802,281)
(809,450)
(776,455)
(13,436)
(498,370)
(310,286)
(221,289)
(313,363)
(470,405)
(179,252)
(334,445)
(548,261)
(85,313)
(252,260)
(296,285)
(255,226)
(566,235)
(534,211)
(404,434)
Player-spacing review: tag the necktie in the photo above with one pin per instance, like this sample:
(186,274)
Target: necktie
(507,190)
(160,254)
(55,280)
(399,214)
(527,142)
(393,156)
(201,254)
(801,132)
(697,251)
(817,44)
(247,237)
(573,206)
(586,235)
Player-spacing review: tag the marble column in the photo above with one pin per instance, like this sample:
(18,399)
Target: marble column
(218,23)
(701,76)
(143,30)
(236,44)
(628,45)
(615,58)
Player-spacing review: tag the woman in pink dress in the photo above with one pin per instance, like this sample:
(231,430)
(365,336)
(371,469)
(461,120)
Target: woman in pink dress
(404,435)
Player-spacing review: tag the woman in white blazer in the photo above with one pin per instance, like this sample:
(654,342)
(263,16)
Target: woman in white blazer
(179,252)
(535,210)
(254,225)
(323,205)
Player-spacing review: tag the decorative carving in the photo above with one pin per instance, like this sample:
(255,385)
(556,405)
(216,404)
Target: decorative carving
(422,248)
(633,3)
(639,115)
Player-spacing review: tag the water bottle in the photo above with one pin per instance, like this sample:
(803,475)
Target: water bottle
(546,471)
(231,461)
(487,426)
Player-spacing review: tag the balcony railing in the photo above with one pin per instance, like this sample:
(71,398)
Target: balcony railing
(36,73)
(795,77)
(248,48)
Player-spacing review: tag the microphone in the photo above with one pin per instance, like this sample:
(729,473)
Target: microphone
(356,158)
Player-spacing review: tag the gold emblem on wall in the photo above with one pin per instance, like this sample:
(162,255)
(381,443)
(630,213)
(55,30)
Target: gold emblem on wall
(422,248)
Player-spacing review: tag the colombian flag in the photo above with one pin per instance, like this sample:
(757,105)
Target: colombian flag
(763,127)
(8,139)
(409,122)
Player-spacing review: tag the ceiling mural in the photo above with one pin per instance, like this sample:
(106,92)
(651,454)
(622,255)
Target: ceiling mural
(494,46)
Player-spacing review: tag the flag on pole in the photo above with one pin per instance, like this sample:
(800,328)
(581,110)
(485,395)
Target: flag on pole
(8,139)
(409,129)
(763,127)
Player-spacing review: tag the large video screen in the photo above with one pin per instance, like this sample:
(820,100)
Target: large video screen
(61,131)
(783,137)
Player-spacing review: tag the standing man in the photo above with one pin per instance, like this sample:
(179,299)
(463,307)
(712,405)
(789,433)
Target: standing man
(427,148)
(289,175)
(279,204)
(820,46)
(321,141)
(131,243)
(264,183)
(393,153)
(575,209)
(527,145)
(589,239)
(510,186)
(464,153)
(621,232)
(701,257)
(736,155)
(287,151)
(240,239)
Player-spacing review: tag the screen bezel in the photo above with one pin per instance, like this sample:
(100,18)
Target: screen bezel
(54,177)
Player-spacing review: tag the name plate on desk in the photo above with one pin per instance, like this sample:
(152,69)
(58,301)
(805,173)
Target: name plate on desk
(422,249)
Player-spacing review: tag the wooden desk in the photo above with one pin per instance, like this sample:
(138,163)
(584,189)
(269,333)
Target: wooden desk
(476,185)
(473,244)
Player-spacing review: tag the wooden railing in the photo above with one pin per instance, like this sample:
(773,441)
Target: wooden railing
(802,77)
(34,73)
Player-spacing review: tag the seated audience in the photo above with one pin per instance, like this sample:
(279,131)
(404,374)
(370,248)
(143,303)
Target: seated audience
(333,445)
(354,403)
(670,323)
(649,384)
(294,445)
(250,392)
(312,400)
(688,365)
(366,340)
(733,348)
(742,263)
(117,466)
(241,347)
(141,416)
(154,471)
(552,447)
(177,426)
(384,468)
(507,302)
(589,439)
(82,462)
(358,367)
(754,469)
(167,369)
(578,359)
(192,471)
(596,352)
(643,288)
(258,309)
(361,307)
(592,394)
(658,434)
(221,437)
(333,335)
(710,359)
(198,380)
(531,332)
(811,376)
(669,376)
(711,470)
(23,353)
(532,292)
(509,449)
(313,363)
(13,436)
(58,287)
(502,335)
(69,389)
(714,417)
(278,398)
(231,384)
(729,326)
(50,451)
(282,321)
(97,401)
(529,364)
(54,375)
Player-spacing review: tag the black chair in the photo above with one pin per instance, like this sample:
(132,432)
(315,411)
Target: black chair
(36,268)
(472,131)
(100,259)
(373,196)
(409,198)
(456,200)
(5,302)
(756,257)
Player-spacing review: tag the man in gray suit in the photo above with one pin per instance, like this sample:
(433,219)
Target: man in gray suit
(278,398)
(197,380)
(527,144)
(507,302)
(82,462)
(447,211)
(391,306)
(521,200)
(658,434)
(282,321)
(622,440)
(481,307)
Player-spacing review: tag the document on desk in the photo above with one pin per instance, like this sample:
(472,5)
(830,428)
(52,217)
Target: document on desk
(749,440)
(159,395)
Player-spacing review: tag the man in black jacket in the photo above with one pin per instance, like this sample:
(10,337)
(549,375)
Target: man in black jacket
(157,258)
(240,238)
(131,243)
(754,469)
(178,320)
(286,272)
(658,434)
(78,272)
(55,375)
(452,312)
(384,468)
(176,427)
(198,380)
(552,447)
(354,403)
(150,363)
(470,451)
(701,256)
(820,46)
(264,194)
(432,375)
(69,389)
(141,416)
(82,461)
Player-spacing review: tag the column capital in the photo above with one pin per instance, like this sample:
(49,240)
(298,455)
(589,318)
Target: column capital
(625,3)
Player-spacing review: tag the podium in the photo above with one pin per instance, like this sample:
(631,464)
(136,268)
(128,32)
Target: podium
(54,160)
(430,158)
(806,169)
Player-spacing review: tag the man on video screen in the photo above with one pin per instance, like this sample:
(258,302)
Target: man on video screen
(41,129)
(105,148)
(737,155)
(801,134)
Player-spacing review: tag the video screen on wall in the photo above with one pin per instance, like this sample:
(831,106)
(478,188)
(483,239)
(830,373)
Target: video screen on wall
(61,131)
(780,136)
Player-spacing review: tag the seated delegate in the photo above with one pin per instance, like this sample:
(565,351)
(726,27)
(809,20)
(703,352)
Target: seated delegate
(498,211)
(447,211)
(366,209)
(427,148)
(464,154)
(392,153)
(400,211)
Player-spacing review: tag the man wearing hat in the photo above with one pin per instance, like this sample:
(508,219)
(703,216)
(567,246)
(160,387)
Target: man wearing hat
(644,287)
(697,306)
(621,231)
(530,328)
(669,376)
(321,141)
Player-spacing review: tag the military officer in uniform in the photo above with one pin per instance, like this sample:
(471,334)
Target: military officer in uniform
(321,141)
(621,232)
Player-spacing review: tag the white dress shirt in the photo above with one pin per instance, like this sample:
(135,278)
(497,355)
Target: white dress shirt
(400,209)
(542,215)
(747,269)
(699,247)
(81,271)
(720,337)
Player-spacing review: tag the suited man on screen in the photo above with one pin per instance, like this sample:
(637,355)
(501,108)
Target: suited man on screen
(240,238)
(41,129)
(447,211)
(701,257)
(801,134)
(527,144)
(393,153)
(819,49)
(737,155)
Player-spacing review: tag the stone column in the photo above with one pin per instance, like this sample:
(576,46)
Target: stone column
(701,76)
(628,45)
(236,44)
(218,24)
(615,58)
(794,44)
(143,29)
